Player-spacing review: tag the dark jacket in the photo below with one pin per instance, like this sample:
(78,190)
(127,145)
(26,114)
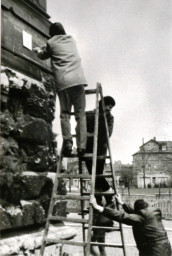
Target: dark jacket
(102,141)
(148,229)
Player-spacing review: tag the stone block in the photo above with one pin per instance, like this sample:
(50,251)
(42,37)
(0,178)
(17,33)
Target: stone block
(60,208)
(39,161)
(4,81)
(5,219)
(15,216)
(9,146)
(39,213)
(40,103)
(28,242)
(12,248)
(7,123)
(33,184)
(27,185)
(36,131)
(28,210)
(26,214)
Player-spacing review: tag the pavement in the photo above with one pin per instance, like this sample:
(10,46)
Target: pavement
(111,237)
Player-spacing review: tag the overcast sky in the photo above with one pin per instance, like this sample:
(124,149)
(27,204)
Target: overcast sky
(126,46)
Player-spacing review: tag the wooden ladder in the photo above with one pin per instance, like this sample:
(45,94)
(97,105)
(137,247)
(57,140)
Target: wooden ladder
(87,223)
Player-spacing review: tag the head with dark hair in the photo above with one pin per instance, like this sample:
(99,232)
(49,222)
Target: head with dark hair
(56,29)
(140,204)
(109,103)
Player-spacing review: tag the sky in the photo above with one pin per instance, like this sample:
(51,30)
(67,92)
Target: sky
(127,47)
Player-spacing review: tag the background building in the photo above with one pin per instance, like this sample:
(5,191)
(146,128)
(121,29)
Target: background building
(152,164)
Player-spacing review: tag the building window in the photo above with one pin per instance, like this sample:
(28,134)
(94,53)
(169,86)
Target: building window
(164,147)
(153,180)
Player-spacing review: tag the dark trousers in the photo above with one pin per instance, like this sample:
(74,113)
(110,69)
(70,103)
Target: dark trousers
(156,248)
(73,96)
(101,183)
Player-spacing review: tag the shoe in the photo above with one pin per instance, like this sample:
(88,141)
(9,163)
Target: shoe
(81,151)
(67,148)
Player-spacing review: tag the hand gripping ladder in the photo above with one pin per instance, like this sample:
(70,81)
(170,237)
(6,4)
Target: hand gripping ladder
(87,222)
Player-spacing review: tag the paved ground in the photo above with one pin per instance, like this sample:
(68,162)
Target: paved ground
(112,237)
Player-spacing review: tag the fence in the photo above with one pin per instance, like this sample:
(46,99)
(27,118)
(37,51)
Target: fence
(162,201)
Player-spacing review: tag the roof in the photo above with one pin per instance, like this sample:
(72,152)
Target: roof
(169,143)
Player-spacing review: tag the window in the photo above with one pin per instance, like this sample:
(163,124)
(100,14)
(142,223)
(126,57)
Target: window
(153,180)
(164,147)
(149,147)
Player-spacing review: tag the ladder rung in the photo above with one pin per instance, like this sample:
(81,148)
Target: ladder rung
(79,243)
(73,176)
(68,219)
(88,135)
(107,245)
(107,228)
(58,241)
(86,211)
(105,193)
(100,193)
(98,157)
(104,175)
(71,197)
(90,91)
(88,156)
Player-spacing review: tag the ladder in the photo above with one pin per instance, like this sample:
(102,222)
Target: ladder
(87,223)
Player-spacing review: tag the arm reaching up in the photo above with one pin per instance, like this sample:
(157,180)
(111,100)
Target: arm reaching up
(42,52)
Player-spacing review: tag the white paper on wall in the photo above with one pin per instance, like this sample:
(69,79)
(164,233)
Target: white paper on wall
(27,40)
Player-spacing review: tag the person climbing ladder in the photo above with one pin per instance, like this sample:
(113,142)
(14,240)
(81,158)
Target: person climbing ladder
(101,183)
(70,83)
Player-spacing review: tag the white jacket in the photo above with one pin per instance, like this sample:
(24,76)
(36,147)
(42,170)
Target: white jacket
(66,62)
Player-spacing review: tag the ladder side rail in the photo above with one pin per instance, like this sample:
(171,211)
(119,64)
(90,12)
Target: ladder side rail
(123,240)
(82,203)
(108,142)
(93,178)
(51,205)
(112,167)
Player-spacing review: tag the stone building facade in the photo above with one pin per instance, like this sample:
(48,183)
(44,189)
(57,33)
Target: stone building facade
(28,95)
(154,159)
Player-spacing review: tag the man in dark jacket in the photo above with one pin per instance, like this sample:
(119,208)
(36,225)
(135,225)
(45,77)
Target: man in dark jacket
(148,230)
(101,183)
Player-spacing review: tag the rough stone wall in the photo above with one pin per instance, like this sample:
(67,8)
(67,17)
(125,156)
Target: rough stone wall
(28,149)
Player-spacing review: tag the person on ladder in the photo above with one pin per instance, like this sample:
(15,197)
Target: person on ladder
(70,83)
(98,235)
(101,183)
